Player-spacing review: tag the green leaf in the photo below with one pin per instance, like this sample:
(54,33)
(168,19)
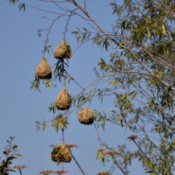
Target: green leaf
(22,6)
(60,122)
(35,84)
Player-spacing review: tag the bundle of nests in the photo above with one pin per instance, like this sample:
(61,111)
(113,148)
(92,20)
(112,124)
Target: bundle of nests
(63,50)
(63,100)
(86,116)
(61,153)
(43,70)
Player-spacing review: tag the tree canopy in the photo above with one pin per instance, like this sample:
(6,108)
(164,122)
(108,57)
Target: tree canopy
(137,75)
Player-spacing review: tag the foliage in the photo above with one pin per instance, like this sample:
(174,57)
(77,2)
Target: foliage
(10,153)
(21,5)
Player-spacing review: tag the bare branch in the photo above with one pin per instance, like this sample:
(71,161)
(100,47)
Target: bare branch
(43,10)
(78,165)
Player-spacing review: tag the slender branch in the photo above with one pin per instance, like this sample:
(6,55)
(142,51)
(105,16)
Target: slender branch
(118,166)
(49,30)
(20,171)
(67,23)
(148,70)
(159,78)
(147,137)
(141,89)
(78,165)
(56,4)
(87,14)
(160,60)
(84,4)
(143,154)
(98,136)
(43,10)
(77,83)
(62,134)
(150,73)
(81,16)
(59,1)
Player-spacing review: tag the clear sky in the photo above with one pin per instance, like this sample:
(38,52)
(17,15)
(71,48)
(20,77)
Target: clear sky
(20,107)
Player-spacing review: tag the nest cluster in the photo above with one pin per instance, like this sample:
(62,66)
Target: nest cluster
(43,70)
(62,153)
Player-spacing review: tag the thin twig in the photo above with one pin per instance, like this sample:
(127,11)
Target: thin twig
(120,168)
(87,14)
(62,134)
(84,4)
(49,30)
(147,137)
(56,4)
(67,23)
(20,171)
(78,165)
(43,10)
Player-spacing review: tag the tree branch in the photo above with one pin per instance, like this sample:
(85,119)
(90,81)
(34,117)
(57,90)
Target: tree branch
(78,165)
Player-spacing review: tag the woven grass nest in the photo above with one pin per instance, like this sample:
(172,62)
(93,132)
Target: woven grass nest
(86,116)
(61,153)
(43,70)
(63,100)
(103,173)
(63,50)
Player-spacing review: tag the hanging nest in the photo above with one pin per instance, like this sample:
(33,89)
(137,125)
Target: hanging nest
(103,173)
(61,153)
(63,100)
(43,70)
(63,50)
(86,116)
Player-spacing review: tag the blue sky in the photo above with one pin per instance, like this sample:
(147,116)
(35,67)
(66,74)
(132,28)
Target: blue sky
(20,107)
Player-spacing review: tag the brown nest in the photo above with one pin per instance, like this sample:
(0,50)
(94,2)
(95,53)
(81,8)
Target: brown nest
(61,153)
(43,70)
(63,50)
(103,173)
(63,100)
(86,116)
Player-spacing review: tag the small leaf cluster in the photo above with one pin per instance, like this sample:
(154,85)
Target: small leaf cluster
(21,5)
(10,153)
